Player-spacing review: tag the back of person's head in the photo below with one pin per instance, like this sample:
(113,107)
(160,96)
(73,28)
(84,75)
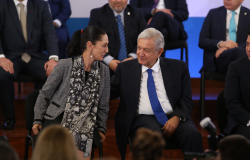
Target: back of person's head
(7,152)
(147,145)
(55,142)
(234,147)
(78,42)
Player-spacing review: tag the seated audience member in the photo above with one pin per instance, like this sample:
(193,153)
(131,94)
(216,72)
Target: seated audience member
(123,23)
(61,12)
(76,94)
(25,27)
(55,143)
(154,93)
(7,152)
(147,145)
(223,35)
(166,16)
(234,147)
(237,96)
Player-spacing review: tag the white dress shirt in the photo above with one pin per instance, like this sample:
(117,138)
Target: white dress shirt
(229,16)
(161,5)
(144,102)
(25,10)
(109,58)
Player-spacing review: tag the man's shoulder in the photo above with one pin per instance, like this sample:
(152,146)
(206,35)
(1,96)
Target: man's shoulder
(240,62)
(100,9)
(215,10)
(245,9)
(172,62)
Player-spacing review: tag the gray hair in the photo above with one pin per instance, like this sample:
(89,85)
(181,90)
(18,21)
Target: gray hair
(153,33)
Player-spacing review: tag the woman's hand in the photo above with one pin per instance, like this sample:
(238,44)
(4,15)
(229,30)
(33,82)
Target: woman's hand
(102,136)
(36,128)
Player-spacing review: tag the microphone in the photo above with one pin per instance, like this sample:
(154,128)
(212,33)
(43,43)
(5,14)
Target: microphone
(207,124)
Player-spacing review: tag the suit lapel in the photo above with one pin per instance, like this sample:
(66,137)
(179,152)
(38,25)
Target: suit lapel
(223,19)
(166,71)
(15,17)
(247,66)
(242,20)
(111,16)
(30,13)
(127,24)
(136,76)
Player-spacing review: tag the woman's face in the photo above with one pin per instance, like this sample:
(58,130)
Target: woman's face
(100,48)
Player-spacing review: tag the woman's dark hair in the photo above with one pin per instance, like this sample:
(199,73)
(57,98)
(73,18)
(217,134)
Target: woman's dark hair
(78,42)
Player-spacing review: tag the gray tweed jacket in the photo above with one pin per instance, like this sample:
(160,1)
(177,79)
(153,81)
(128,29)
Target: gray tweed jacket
(53,96)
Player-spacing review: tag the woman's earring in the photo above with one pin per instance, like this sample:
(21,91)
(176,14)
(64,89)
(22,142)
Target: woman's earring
(91,54)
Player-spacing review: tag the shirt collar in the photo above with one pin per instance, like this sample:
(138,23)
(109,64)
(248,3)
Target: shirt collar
(237,10)
(24,2)
(156,67)
(121,14)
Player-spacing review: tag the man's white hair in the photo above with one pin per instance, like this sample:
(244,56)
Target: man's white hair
(156,35)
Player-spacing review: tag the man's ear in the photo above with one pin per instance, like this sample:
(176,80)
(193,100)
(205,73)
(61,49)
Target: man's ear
(160,52)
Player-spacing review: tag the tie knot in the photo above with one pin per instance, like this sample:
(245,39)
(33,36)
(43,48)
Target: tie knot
(149,71)
(118,17)
(21,5)
(233,12)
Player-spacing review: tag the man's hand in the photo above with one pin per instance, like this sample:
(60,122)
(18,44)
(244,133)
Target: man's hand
(228,44)
(49,66)
(219,51)
(7,65)
(102,136)
(127,59)
(167,11)
(170,126)
(113,64)
(36,128)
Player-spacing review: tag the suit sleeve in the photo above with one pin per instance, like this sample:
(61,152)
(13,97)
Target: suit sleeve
(49,33)
(233,96)
(205,41)
(181,13)
(64,13)
(145,9)
(47,92)
(185,106)
(142,25)
(103,108)
(93,20)
(1,48)
(115,83)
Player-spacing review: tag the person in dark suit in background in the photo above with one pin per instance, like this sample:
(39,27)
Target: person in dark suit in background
(166,16)
(25,26)
(154,93)
(223,35)
(237,96)
(61,12)
(123,23)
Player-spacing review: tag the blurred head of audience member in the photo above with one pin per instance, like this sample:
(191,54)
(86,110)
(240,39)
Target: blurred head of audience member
(7,152)
(232,5)
(147,145)
(92,39)
(118,5)
(55,142)
(248,44)
(234,147)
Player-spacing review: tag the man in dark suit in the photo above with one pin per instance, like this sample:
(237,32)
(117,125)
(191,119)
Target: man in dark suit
(61,12)
(237,95)
(166,16)
(223,35)
(154,93)
(123,23)
(25,25)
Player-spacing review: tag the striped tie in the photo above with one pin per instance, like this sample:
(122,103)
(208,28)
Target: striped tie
(123,51)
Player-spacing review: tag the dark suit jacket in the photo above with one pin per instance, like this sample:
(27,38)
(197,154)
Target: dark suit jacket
(60,10)
(178,9)
(214,30)
(134,24)
(237,93)
(40,30)
(126,84)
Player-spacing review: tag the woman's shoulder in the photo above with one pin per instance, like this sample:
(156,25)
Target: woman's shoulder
(65,62)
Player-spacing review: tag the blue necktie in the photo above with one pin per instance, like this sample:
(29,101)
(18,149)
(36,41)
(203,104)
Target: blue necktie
(153,98)
(232,28)
(123,51)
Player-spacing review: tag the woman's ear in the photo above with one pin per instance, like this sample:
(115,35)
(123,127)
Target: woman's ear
(89,44)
